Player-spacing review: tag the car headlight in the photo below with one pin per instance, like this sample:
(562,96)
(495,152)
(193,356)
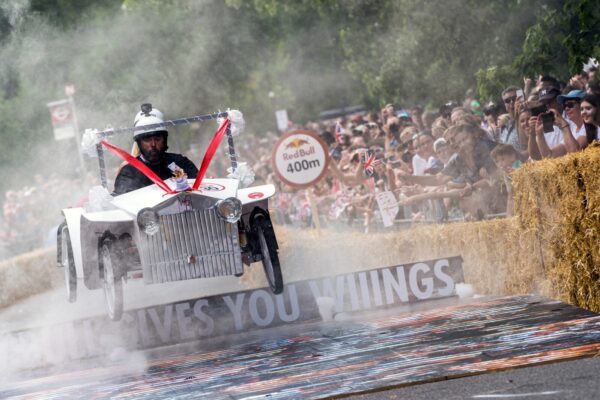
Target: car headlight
(229,209)
(147,220)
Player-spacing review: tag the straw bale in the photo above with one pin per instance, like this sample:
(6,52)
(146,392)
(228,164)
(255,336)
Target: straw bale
(559,201)
(28,274)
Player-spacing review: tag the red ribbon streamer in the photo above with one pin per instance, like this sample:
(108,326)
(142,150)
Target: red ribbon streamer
(210,152)
(139,165)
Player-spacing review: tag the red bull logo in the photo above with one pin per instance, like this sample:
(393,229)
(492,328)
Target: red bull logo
(298,149)
(296,143)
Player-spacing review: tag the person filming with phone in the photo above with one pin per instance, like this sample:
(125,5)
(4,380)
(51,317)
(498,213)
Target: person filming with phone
(551,134)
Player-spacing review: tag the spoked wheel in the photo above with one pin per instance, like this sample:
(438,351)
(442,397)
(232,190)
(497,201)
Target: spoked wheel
(113,280)
(268,250)
(67,261)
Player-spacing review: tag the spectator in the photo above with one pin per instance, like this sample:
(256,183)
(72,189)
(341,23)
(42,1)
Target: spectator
(571,106)
(424,158)
(508,132)
(507,160)
(554,138)
(591,116)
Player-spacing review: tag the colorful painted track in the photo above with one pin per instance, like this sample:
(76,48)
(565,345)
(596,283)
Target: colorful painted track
(336,359)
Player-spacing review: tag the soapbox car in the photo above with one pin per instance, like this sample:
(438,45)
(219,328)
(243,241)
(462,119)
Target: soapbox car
(164,235)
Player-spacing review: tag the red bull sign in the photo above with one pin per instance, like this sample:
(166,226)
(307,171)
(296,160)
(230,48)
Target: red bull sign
(300,158)
(61,114)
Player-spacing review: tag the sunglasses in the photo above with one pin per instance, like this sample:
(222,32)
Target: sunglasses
(510,99)
(570,104)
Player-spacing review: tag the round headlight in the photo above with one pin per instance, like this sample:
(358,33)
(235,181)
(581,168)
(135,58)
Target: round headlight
(147,220)
(229,209)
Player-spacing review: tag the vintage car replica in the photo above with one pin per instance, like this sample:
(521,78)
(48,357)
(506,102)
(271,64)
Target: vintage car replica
(209,230)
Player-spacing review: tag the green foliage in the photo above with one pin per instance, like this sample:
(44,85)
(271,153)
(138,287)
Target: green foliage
(562,39)
(192,56)
(493,80)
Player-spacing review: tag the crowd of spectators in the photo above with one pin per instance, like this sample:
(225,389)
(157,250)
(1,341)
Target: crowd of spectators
(453,163)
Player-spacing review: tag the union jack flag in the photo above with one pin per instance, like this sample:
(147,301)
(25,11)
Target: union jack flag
(338,133)
(369,167)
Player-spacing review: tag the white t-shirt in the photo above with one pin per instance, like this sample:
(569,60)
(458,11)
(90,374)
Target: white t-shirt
(576,132)
(554,138)
(420,164)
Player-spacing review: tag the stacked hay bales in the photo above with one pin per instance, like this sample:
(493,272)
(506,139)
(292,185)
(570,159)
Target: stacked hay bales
(558,201)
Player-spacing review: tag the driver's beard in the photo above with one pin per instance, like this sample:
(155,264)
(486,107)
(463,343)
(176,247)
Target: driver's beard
(154,157)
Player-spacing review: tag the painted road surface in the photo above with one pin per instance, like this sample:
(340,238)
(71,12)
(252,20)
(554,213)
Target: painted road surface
(318,360)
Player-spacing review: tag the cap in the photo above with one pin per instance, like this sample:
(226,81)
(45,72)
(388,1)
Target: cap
(548,94)
(572,95)
(403,114)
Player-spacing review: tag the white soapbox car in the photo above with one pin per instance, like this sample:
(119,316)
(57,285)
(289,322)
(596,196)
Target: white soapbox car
(210,232)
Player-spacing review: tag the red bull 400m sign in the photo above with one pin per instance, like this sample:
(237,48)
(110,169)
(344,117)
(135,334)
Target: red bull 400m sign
(300,158)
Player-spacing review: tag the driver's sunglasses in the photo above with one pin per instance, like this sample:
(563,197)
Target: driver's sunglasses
(570,104)
(511,99)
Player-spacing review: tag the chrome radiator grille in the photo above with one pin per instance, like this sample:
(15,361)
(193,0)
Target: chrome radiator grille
(193,244)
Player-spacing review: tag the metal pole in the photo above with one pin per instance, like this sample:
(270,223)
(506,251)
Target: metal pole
(102,165)
(77,137)
(232,156)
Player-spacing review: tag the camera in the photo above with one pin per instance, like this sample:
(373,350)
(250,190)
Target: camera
(548,121)
(146,108)
(535,111)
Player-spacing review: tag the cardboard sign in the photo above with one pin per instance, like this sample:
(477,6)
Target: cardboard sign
(388,207)
(300,158)
(281,116)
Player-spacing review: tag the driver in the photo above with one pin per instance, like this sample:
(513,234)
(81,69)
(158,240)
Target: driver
(153,152)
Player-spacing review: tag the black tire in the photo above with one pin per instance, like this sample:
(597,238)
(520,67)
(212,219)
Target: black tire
(112,279)
(268,249)
(66,260)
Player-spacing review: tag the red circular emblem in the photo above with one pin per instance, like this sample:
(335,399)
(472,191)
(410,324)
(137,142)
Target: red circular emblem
(256,195)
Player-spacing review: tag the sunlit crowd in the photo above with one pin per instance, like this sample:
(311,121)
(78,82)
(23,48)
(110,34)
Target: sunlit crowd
(448,164)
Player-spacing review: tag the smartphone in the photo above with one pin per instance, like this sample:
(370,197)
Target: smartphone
(520,94)
(535,111)
(548,121)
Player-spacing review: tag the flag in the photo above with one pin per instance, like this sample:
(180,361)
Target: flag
(338,133)
(369,167)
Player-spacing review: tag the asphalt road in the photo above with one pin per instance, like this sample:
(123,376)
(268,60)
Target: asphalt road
(577,379)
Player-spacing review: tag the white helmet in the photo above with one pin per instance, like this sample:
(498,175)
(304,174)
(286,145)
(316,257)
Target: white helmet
(147,116)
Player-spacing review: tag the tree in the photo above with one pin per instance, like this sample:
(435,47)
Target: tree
(562,39)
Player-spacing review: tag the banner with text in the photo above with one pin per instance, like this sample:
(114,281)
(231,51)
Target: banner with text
(231,313)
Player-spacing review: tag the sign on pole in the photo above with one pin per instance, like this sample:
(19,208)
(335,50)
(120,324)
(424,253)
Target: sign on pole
(63,122)
(300,158)
(282,120)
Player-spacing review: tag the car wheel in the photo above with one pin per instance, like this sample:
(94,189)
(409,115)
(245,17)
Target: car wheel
(67,261)
(268,250)
(113,281)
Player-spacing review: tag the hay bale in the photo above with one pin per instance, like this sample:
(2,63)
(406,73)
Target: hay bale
(28,274)
(558,200)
